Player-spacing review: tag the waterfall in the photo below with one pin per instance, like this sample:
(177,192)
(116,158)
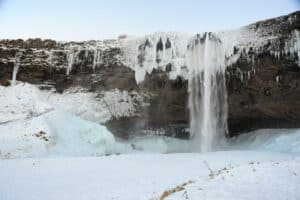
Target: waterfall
(207,91)
(97,58)
(70,59)
(50,58)
(16,69)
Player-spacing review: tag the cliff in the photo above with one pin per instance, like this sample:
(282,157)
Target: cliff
(142,81)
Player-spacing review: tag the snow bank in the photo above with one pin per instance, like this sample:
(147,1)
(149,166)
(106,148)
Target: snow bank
(25,138)
(276,140)
(267,180)
(19,102)
(29,127)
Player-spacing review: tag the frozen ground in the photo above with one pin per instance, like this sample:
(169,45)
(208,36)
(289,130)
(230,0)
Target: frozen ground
(242,175)
(48,153)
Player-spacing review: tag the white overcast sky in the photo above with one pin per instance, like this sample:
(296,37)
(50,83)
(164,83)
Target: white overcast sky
(99,19)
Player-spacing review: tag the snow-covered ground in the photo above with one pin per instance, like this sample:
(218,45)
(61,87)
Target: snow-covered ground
(49,152)
(242,175)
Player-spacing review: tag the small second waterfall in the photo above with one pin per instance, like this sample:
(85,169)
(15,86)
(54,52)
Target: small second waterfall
(207,92)
(16,69)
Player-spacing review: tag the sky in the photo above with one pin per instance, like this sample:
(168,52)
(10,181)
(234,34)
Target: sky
(66,20)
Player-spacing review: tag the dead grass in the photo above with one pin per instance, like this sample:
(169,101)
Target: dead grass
(171,191)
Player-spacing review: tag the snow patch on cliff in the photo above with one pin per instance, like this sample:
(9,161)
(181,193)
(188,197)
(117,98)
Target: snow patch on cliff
(102,107)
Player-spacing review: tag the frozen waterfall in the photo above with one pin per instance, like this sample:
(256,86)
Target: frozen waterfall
(207,91)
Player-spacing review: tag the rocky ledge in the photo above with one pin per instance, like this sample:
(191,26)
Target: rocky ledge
(150,75)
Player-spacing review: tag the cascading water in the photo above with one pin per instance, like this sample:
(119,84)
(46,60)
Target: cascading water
(50,58)
(97,58)
(207,91)
(70,59)
(16,69)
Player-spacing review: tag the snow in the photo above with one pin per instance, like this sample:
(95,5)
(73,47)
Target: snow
(263,180)
(80,103)
(147,176)
(97,107)
(277,140)
(19,102)
(30,127)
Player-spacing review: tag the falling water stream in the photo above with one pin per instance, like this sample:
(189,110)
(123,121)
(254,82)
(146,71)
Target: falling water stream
(97,58)
(16,69)
(207,92)
(71,60)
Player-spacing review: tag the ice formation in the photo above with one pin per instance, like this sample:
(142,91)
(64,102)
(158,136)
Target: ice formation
(167,51)
(207,91)
(164,51)
(31,127)
(292,47)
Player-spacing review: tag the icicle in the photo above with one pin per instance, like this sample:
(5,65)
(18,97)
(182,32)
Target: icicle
(95,59)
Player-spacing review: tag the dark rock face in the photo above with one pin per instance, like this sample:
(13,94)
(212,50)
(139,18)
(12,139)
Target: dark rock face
(263,101)
(267,95)
(263,87)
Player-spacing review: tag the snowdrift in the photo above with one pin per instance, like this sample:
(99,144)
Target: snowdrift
(30,127)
